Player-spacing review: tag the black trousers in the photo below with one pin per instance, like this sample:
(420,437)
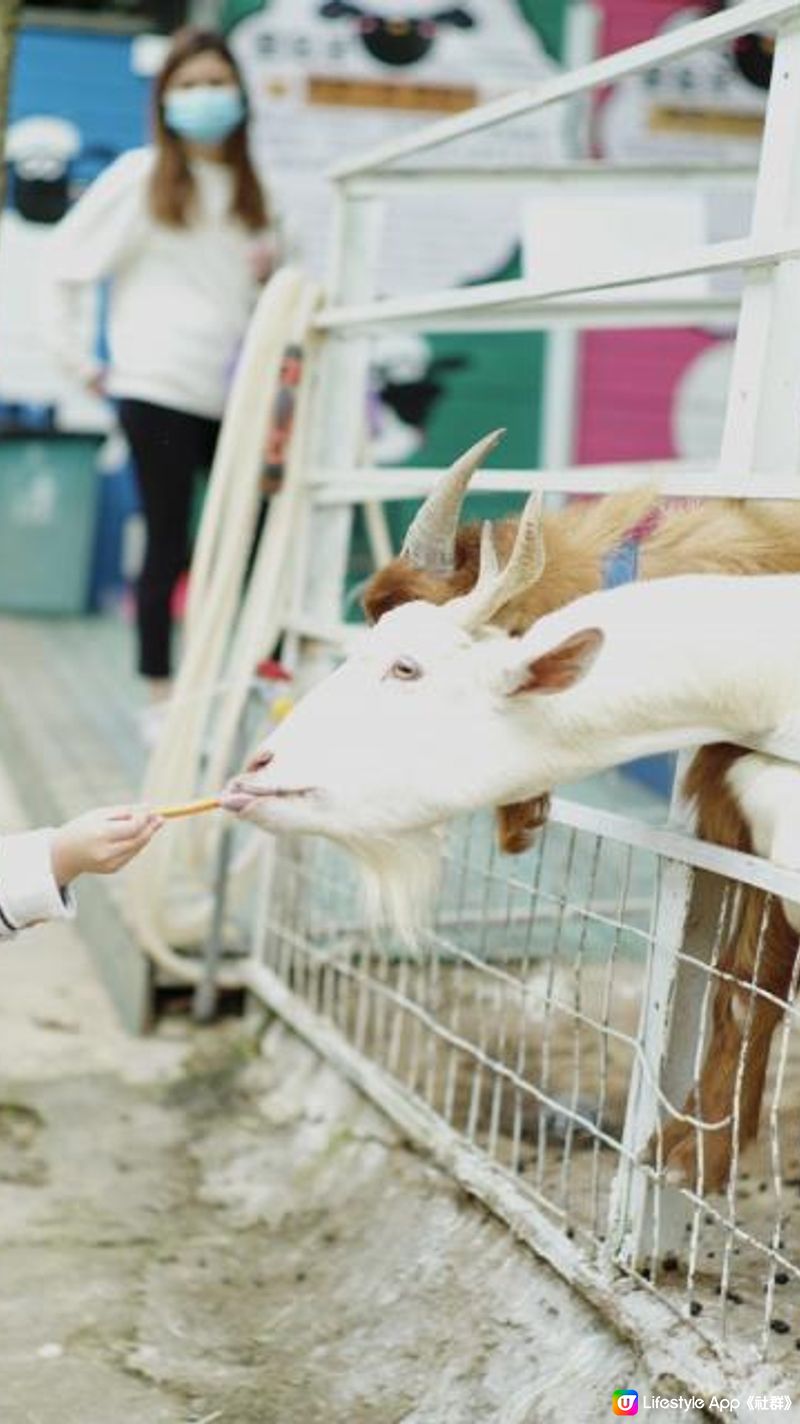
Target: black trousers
(169,447)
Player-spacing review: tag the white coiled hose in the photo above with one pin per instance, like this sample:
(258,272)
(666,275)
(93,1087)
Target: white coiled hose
(168,900)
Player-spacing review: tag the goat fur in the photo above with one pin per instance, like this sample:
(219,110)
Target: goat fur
(720,536)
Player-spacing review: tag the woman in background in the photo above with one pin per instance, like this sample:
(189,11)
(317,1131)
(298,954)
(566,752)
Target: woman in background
(182,230)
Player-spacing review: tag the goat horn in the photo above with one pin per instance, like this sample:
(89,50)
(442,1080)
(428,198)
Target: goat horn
(489,564)
(496,587)
(430,543)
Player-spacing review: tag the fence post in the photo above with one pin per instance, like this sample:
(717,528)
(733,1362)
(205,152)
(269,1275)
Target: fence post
(339,413)
(762,431)
(337,417)
(761,437)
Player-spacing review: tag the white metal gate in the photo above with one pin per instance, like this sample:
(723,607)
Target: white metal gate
(554,1020)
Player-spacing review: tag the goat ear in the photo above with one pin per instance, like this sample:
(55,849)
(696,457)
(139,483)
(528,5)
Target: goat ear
(560,667)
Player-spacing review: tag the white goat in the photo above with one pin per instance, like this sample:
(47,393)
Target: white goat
(436,714)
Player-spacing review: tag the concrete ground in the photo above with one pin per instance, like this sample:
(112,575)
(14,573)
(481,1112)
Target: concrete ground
(209,1225)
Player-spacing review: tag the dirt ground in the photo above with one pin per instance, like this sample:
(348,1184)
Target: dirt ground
(211,1226)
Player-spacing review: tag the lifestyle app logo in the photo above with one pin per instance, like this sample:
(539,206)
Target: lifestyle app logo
(625,1403)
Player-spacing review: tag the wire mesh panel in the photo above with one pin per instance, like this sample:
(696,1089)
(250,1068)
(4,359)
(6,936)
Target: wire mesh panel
(519,1020)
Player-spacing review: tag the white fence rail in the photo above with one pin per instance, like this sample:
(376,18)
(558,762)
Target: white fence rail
(507,1048)
(553,1043)
(446,309)
(752,15)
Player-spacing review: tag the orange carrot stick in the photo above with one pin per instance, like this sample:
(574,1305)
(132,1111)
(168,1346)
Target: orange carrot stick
(189,808)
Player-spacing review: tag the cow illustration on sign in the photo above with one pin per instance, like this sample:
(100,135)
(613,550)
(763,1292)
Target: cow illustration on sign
(397,39)
(330,78)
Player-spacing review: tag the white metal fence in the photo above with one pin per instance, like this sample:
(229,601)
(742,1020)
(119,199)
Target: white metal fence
(519,1030)
(555,1041)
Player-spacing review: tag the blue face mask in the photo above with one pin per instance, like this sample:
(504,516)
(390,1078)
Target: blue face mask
(207,113)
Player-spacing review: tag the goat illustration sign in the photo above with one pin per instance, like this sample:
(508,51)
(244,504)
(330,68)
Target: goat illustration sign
(329,79)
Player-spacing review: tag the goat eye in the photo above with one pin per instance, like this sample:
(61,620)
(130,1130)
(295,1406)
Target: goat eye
(405,670)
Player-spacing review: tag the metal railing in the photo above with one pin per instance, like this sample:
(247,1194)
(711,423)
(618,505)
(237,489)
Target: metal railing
(508,1045)
(553,1041)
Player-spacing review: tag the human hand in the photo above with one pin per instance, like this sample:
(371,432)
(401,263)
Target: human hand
(263,258)
(97,384)
(100,842)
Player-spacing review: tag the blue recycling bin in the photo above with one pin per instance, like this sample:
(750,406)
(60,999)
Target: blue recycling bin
(48,513)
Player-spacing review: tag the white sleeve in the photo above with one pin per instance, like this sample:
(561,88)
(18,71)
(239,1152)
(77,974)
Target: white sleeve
(28,889)
(92,242)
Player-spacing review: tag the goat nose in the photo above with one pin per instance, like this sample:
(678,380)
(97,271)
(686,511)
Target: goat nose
(260,760)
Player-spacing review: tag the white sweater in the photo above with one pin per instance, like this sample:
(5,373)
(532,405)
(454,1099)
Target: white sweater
(28,890)
(180,298)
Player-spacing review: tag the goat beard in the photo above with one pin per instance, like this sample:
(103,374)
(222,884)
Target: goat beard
(400,878)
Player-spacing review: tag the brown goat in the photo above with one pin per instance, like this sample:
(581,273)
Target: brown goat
(721,536)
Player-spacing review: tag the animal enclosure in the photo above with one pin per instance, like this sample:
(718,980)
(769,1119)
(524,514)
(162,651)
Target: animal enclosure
(522,1024)
(548,1040)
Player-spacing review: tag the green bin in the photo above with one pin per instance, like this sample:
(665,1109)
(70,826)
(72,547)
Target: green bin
(48,512)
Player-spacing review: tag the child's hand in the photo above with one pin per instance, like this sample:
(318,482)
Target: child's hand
(263,258)
(100,842)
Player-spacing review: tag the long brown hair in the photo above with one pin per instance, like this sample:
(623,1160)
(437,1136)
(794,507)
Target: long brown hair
(172,190)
